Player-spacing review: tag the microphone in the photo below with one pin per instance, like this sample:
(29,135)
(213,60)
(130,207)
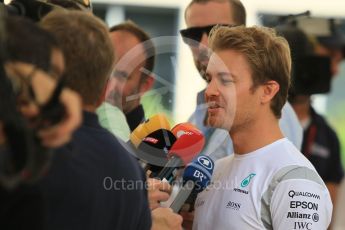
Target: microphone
(152,124)
(186,147)
(153,150)
(151,141)
(192,141)
(196,178)
(181,128)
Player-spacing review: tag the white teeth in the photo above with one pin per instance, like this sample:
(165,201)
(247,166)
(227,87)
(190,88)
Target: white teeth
(213,105)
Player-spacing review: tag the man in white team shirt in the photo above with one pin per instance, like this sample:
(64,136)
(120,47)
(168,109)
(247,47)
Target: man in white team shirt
(267,183)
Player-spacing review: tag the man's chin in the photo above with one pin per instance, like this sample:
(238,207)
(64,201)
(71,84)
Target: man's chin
(214,122)
(218,123)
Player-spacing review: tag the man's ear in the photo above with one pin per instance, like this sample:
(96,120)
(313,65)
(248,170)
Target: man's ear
(270,89)
(147,83)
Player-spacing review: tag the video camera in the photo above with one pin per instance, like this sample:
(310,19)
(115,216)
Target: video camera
(36,9)
(23,159)
(311,73)
(326,30)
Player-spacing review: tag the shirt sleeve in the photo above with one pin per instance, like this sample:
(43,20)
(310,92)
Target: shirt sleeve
(290,126)
(300,204)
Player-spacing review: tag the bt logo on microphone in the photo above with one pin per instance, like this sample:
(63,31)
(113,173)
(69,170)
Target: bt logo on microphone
(199,175)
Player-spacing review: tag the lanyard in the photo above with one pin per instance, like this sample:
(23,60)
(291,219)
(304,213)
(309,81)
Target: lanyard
(310,138)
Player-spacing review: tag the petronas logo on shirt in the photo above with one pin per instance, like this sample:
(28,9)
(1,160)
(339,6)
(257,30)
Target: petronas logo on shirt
(245,182)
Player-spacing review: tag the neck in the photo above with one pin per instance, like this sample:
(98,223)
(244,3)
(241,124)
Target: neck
(258,135)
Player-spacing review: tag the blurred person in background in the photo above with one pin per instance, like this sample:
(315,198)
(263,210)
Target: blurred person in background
(85,168)
(34,63)
(320,142)
(74,190)
(133,51)
(134,63)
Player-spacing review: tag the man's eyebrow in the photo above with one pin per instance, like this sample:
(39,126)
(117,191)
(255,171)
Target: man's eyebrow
(228,74)
(120,74)
(224,74)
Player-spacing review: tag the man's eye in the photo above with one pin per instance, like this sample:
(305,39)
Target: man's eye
(226,81)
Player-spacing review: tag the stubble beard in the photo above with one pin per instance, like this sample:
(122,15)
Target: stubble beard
(220,121)
(241,123)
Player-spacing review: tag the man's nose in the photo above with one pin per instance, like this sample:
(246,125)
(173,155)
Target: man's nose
(211,89)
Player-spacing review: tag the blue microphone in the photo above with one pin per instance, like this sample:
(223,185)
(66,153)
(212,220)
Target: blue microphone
(196,178)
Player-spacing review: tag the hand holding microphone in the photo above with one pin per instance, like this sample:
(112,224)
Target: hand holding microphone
(158,191)
(165,219)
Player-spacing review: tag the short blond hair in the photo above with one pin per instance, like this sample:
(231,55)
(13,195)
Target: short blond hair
(267,53)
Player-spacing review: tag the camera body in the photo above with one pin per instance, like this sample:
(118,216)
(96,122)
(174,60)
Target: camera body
(311,73)
(23,159)
(36,9)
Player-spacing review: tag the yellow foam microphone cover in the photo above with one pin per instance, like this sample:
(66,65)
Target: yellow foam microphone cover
(158,121)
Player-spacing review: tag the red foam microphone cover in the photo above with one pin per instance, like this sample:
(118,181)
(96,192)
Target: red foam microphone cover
(181,128)
(188,145)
